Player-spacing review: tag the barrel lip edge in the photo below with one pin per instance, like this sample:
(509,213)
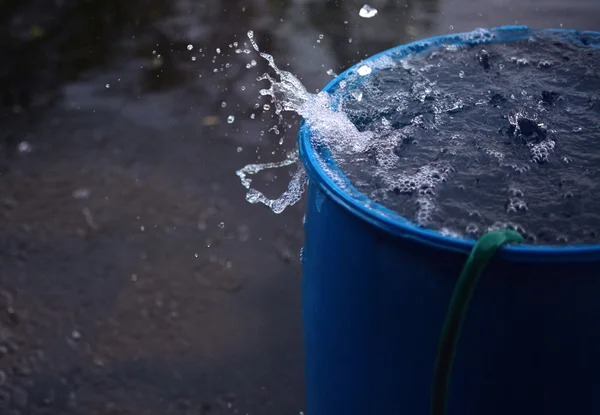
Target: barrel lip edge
(350,199)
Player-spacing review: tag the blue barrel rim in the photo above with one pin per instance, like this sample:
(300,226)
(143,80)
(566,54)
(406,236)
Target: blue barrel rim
(317,160)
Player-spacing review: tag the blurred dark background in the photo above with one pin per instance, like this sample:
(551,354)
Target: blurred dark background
(134,277)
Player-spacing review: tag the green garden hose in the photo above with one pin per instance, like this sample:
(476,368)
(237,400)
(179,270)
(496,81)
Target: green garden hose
(480,255)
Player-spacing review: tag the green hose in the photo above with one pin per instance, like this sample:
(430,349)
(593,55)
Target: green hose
(480,255)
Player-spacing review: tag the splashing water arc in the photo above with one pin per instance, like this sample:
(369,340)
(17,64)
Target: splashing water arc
(330,127)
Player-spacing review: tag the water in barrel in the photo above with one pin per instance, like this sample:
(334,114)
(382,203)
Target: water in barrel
(473,138)
(467,139)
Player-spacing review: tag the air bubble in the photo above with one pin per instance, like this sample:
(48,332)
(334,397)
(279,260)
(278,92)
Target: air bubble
(522,62)
(544,64)
(472,229)
(358,95)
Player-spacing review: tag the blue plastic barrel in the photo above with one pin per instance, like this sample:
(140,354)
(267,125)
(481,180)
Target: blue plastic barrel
(376,289)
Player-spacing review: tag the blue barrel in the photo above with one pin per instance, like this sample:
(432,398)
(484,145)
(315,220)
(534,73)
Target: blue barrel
(376,289)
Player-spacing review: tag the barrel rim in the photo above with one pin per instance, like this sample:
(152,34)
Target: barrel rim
(317,160)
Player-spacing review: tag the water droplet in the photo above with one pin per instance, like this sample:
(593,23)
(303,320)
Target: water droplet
(230,119)
(81,193)
(367,12)
(252,116)
(222,225)
(451,27)
(193,59)
(364,70)
(218,50)
(243,88)
(107,85)
(190,47)
(239,150)
(266,107)
(321,36)
(24,147)
(223,104)
(461,74)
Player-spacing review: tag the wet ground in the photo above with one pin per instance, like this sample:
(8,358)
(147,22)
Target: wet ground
(134,278)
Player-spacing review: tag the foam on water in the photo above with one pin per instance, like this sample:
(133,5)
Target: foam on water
(468,139)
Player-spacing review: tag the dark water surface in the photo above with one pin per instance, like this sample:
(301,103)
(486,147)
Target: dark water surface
(486,137)
(134,277)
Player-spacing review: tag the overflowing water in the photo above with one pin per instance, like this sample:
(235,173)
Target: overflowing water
(330,127)
(463,139)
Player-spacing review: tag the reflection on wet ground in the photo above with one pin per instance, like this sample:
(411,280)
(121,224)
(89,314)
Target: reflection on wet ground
(134,278)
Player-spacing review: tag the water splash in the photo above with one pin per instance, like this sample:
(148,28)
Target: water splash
(290,197)
(332,128)
(367,12)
